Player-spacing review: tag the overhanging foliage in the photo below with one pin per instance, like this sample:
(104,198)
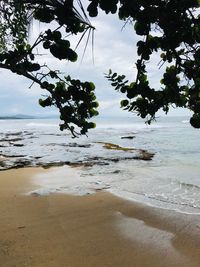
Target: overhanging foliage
(169,28)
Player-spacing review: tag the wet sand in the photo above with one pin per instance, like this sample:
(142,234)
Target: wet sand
(95,230)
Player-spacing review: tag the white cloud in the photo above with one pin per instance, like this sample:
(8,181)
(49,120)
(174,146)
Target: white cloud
(105,105)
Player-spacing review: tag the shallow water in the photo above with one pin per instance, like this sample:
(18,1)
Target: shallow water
(170,180)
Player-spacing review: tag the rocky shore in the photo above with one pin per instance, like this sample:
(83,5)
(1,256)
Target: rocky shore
(29,149)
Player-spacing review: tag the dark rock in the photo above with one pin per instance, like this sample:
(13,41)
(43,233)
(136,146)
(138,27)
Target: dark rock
(88,163)
(15,165)
(16,144)
(145,155)
(22,163)
(13,134)
(11,139)
(13,156)
(69,145)
(127,137)
(37,157)
(116,172)
(53,164)
(51,134)
(79,145)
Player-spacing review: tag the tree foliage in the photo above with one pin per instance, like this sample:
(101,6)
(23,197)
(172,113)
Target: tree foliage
(172,30)
(74,99)
(169,28)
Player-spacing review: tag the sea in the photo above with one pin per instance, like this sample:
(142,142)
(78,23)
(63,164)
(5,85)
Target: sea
(169,180)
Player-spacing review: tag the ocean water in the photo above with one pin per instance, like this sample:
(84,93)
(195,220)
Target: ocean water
(170,180)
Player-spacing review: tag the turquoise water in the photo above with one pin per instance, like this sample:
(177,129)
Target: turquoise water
(170,180)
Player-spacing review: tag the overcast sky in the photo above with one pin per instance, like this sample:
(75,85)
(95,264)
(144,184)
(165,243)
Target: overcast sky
(114,48)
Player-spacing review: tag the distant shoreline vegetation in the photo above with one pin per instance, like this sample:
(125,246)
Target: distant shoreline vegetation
(16,117)
(24,117)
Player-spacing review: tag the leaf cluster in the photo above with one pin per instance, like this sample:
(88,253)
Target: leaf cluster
(76,102)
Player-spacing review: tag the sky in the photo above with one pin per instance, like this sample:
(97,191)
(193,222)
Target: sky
(114,48)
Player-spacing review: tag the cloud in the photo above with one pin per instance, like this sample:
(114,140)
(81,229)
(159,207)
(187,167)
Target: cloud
(107,104)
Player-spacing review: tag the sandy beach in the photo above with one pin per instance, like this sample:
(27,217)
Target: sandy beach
(93,230)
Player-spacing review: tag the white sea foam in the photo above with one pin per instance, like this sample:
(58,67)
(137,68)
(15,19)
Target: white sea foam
(158,193)
(63,180)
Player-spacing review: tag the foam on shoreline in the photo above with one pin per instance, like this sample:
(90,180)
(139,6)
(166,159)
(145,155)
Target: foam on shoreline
(72,181)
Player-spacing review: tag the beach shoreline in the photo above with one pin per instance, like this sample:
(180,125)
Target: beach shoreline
(92,230)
